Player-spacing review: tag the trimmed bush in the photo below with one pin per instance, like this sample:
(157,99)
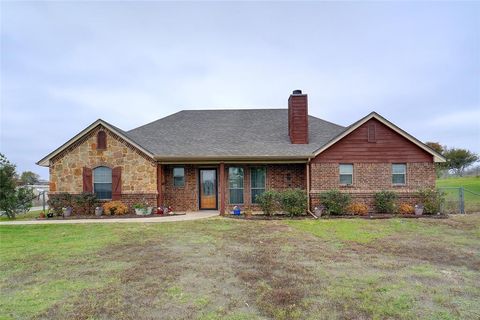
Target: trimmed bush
(431,199)
(59,201)
(85,203)
(115,208)
(294,202)
(269,202)
(335,202)
(385,201)
(358,208)
(406,208)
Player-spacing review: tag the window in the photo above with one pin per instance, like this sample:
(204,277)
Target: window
(257,182)
(235,184)
(346,174)
(101,140)
(179,177)
(399,172)
(102,182)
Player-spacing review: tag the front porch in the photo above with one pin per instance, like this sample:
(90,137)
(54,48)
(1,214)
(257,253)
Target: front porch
(221,186)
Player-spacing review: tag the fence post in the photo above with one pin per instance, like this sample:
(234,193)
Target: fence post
(462,200)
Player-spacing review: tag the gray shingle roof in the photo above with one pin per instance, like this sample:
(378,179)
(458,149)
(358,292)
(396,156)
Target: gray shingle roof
(229,133)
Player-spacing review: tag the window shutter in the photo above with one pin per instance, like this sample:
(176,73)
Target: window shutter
(117,183)
(87,180)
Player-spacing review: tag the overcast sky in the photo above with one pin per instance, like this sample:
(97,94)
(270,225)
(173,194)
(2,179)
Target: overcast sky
(64,65)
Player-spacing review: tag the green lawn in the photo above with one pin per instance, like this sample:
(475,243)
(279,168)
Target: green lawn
(472,201)
(235,269)
(23,216)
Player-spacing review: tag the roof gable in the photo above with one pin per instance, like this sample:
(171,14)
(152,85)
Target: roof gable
(45,161)
(436,156)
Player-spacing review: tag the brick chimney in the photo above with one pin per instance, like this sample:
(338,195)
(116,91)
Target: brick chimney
(298,117)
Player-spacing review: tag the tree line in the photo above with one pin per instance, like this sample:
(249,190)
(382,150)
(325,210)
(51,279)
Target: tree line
(458,159)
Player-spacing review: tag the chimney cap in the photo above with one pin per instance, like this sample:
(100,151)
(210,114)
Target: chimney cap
(298,91)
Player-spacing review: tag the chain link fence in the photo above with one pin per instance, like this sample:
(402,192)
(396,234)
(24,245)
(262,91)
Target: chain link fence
(460,200)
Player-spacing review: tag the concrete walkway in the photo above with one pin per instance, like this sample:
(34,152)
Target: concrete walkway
(188,216)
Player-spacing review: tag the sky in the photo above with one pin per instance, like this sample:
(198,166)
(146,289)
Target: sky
(63,65)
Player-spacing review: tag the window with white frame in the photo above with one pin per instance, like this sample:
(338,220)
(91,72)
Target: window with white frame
(399,173)
(102,183)
(346,174)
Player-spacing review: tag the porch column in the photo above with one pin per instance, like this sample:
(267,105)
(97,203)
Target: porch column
(307,172)
(222,188)
(159,185)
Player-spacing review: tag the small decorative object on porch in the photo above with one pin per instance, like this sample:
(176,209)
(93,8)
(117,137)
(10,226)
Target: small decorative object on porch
(236,210)
(418,209)
(67,212)
(98,211)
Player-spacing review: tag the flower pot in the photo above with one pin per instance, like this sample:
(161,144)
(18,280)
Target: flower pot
(143,211)
(418,211)
(49,215)
(67,212)
(98,211)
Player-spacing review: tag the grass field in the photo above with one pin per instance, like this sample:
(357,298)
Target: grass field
(23,216)
(235,269)
(472,201)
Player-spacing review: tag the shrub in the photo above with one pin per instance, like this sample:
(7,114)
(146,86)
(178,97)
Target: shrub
(269,202)
(115,207)
(358,208)
(431,199)
(294,201)
(335,202)
(59,201)
(385,201)
(85,203)
(406,208)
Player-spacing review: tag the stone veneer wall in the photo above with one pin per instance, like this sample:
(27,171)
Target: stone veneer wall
(369,178)
(138,171)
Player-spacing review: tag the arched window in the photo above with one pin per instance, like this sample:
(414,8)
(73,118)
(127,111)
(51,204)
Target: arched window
(102,182)
(101,140)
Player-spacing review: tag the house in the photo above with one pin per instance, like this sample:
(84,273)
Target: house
(215,159)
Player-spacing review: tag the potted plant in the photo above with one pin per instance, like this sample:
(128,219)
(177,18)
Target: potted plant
(418,209)
(142,209)
(67,211)
(98,211)
(248,213)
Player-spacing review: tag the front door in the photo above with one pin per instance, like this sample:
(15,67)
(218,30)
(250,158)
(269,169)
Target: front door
(208,189)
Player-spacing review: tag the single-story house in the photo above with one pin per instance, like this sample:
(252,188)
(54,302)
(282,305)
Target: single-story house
(216,159)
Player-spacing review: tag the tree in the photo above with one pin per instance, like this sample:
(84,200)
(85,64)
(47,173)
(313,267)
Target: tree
(459,159)
(29,177)
(12,200)
(436,146)
(439,166)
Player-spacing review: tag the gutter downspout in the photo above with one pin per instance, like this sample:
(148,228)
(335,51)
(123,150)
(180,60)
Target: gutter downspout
(307,169)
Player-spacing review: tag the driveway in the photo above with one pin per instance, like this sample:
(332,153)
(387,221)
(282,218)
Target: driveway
(188,216)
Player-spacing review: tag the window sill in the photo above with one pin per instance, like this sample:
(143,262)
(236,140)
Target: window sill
(346,185)
(399,185)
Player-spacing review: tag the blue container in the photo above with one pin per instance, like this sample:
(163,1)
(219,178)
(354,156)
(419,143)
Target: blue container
(236,211)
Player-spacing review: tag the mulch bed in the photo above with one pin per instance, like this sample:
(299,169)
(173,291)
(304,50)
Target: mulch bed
(309,217)
(125,216)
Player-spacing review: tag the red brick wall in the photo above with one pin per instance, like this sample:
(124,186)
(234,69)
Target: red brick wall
(369,178)
(278,177)
(298,118)
(181,198)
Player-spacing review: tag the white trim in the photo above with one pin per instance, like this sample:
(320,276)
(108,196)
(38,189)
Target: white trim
(45,162)
(436,156)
